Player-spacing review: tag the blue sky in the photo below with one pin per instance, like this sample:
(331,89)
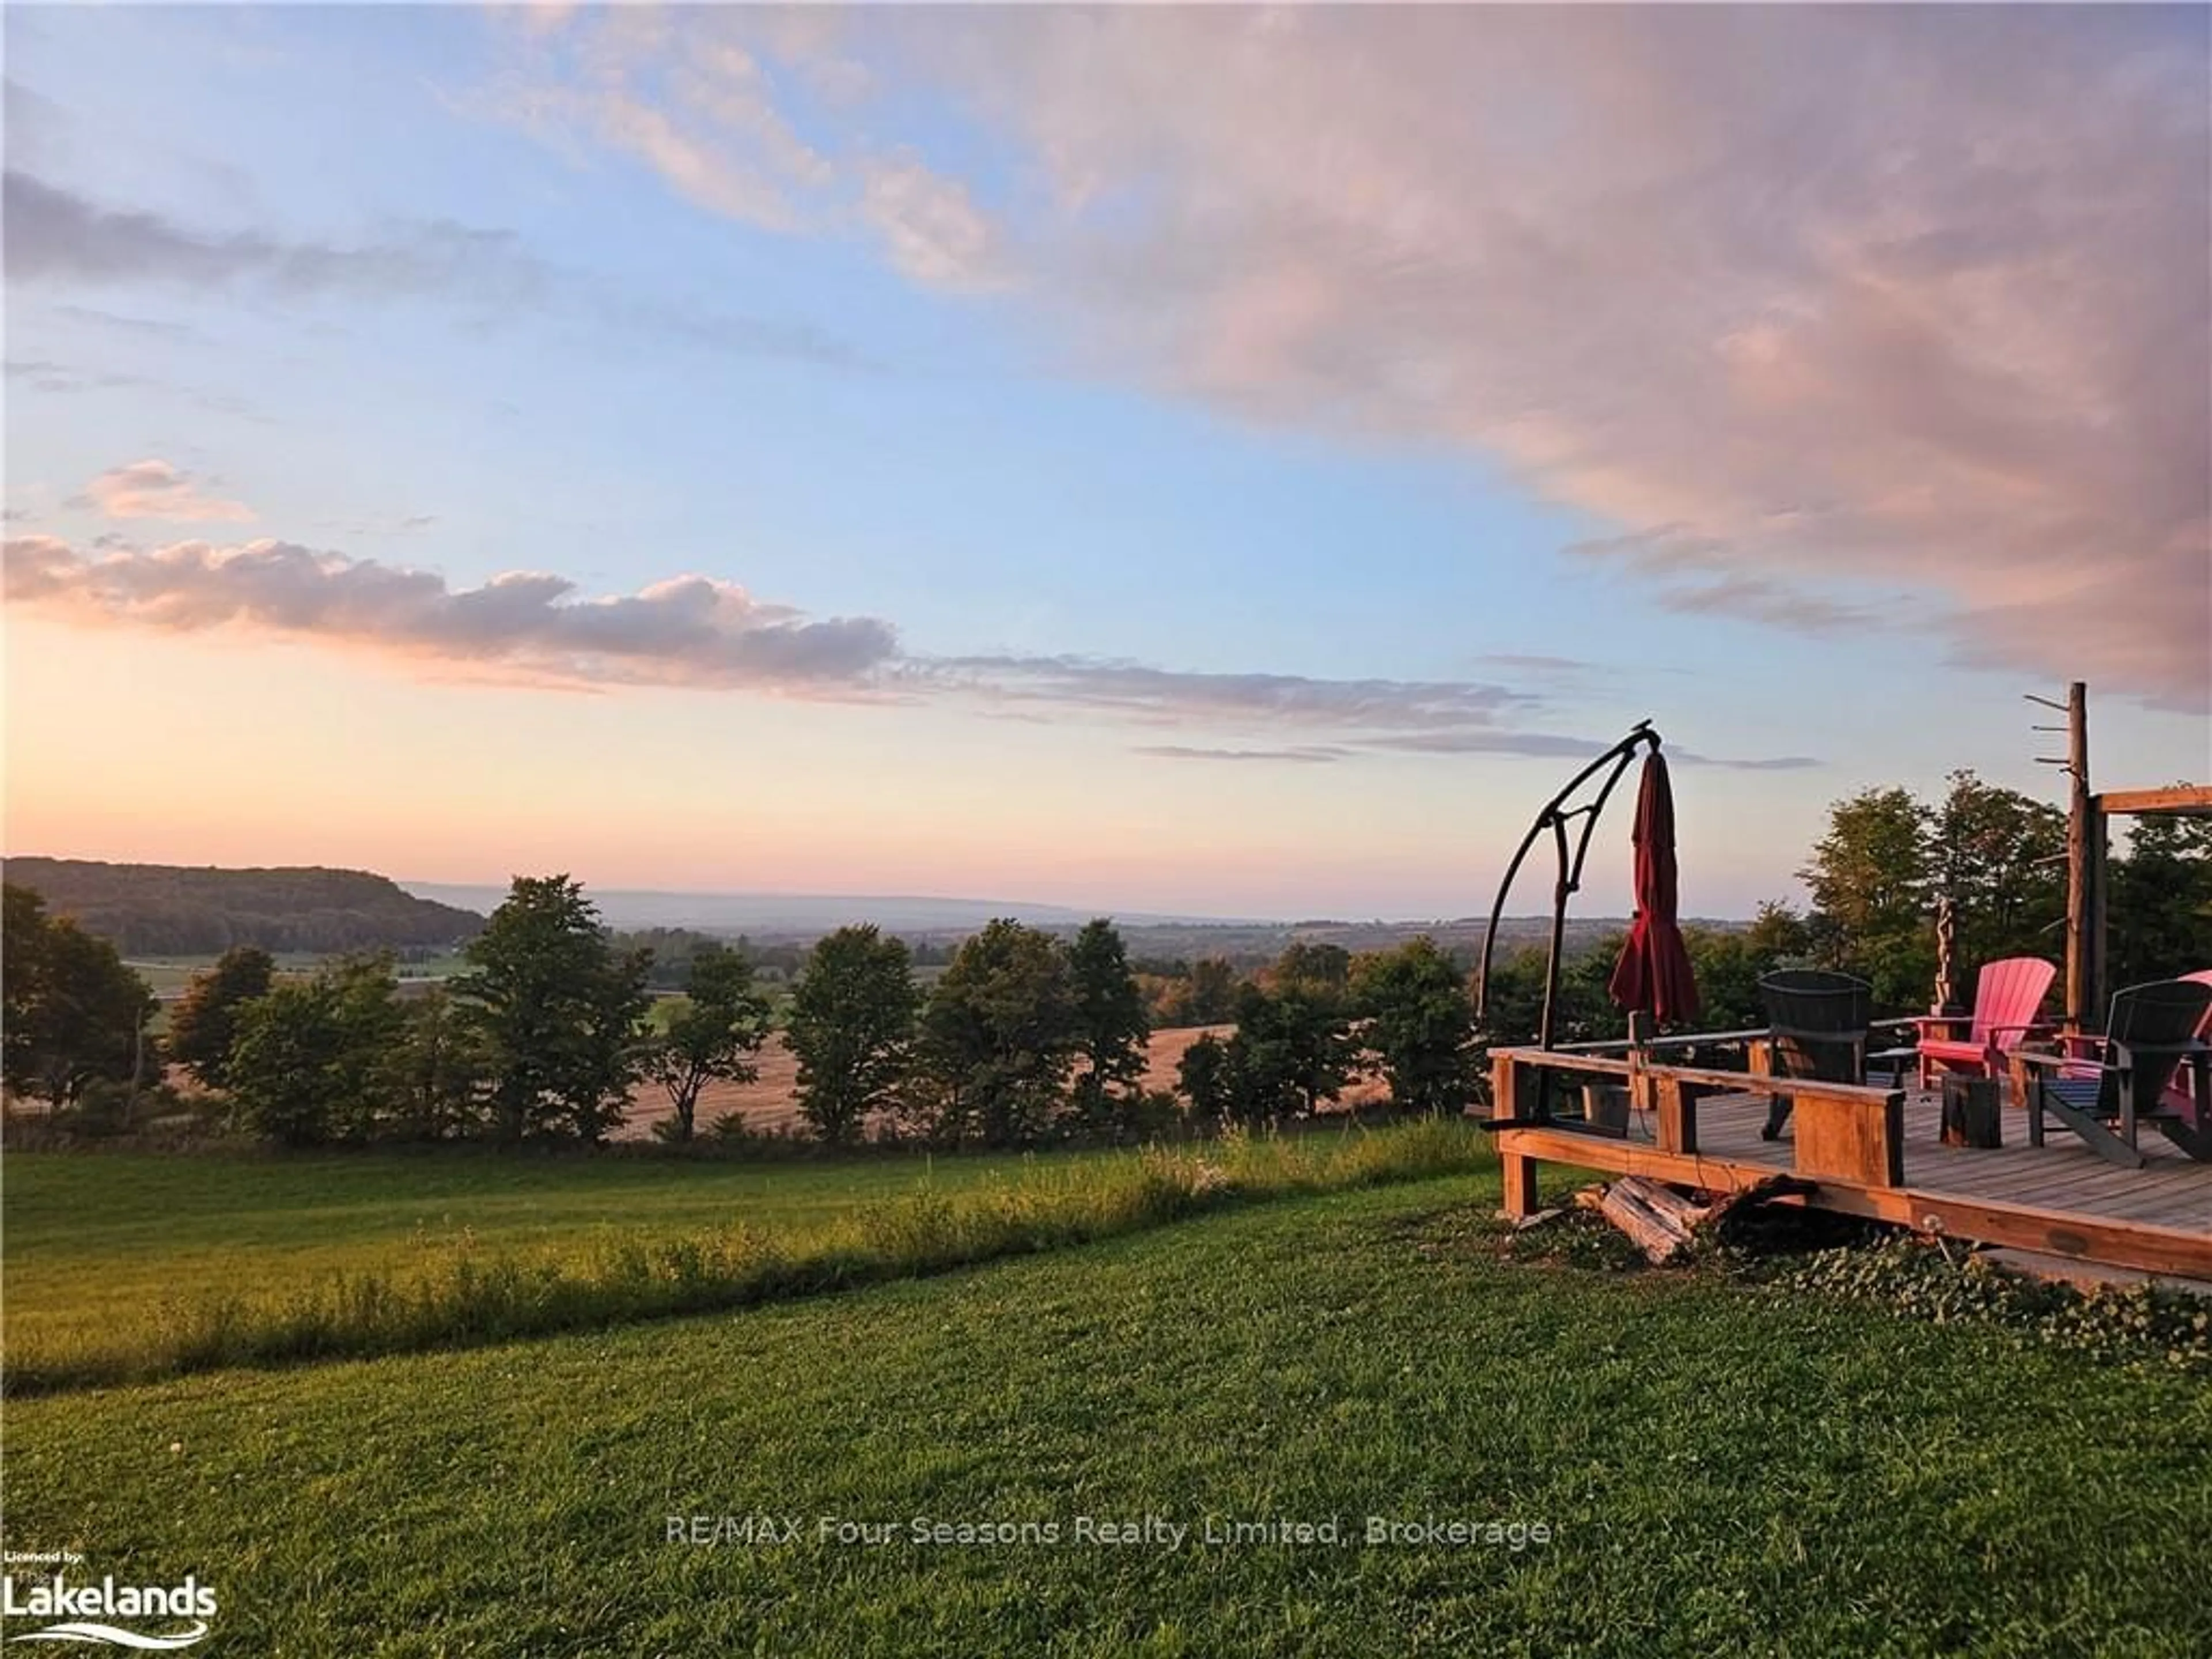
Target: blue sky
(1162,460)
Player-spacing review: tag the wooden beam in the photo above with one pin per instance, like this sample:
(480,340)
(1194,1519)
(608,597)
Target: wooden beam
(2179,798)
(1630,1157)
(1559,1060)
(2078,815)
(2056,1232)
(1745,1083)
(2143,1245)
(2094,933)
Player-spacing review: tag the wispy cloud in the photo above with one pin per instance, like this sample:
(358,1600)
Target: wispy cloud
(156,488)
(137,327)
(691,630)
(58,239)
(691,100)
(1303,755)
(49,378)
(530,629)
(44,375)
(1922,302)
(1138,691)
(30,122)
(1530,662)
(931,226)
(56,235)
(1769,763)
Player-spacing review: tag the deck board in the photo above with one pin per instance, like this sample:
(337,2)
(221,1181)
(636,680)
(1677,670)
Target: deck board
(2159,1217)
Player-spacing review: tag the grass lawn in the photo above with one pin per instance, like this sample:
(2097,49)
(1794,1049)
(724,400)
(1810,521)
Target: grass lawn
(1723,1471)
(98,1244)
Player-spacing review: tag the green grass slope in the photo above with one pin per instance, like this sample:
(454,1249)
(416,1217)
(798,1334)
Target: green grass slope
(124,1269)
(102,1247)
(1722,1472)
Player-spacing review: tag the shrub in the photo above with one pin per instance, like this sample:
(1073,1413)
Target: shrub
(2131,1323)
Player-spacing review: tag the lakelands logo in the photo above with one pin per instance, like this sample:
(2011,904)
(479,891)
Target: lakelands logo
(84,1611)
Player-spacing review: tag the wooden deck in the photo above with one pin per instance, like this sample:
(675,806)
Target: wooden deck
(1877,1153)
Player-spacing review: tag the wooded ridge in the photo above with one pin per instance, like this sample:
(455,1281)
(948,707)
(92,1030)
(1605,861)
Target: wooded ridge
(162,909)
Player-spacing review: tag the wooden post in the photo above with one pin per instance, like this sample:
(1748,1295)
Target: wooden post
(1850,1133)
(2093,931)
(2079,836)
(1519,1172)
(1677,1106)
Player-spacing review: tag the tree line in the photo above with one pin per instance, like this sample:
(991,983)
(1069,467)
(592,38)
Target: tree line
(1887,857)
(1875,879)
(1024,1038)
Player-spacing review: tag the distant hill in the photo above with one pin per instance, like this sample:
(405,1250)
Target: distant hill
(799,914)
(802,918)
(172,910)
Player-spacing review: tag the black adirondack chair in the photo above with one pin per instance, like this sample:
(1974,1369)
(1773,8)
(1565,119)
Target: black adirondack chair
(1818,1022)
(2106,1096)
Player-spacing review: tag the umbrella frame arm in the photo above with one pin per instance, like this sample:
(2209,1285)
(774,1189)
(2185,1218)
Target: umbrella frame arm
(1555,816)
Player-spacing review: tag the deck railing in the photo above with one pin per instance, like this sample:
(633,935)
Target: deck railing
(1840,1132)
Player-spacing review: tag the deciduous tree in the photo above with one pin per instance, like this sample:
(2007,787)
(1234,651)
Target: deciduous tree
(204,1022)
(1312,965)
(560,1011)
(1206,1078)
(852,1027)
(713,1037)
(442,1073)
(1872,878)
(1213,990)
(2160,902)
(322,1059)
(1293,1046)
(1000,1034)
(1111,1025)
(76,1015)
(2001,856)
(1419,1025)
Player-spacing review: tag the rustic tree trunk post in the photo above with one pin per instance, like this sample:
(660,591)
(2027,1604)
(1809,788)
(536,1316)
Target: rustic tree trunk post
(2078,837)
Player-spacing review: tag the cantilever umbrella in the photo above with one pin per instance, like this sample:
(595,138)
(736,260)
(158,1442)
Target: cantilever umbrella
(1654,973)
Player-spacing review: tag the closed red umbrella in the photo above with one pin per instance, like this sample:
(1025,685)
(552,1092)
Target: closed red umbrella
(1654,973)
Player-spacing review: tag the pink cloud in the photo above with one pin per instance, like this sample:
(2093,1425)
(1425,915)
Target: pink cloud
(532,629)
(1919,298)
(524,627)
(156,489)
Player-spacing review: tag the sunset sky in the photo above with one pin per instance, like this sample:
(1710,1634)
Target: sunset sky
(1193,459)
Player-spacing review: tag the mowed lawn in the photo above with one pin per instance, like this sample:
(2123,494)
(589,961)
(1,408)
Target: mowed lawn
(1723,1470)
(99,1245)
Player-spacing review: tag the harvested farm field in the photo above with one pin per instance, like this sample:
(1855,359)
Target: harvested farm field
(770,1103)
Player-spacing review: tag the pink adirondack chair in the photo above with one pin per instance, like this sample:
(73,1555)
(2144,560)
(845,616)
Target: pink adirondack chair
(2006,999)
